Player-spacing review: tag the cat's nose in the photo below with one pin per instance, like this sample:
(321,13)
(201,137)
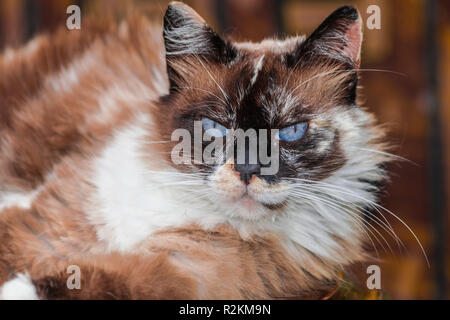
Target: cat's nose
(247,170)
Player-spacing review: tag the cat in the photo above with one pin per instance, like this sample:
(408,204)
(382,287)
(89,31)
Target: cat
(87,178)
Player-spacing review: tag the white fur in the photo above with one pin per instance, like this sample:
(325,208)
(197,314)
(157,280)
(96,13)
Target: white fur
(272,45)
(19,288)
(67,78)
(258,67)
(11,55)
(19,199)
(132,201)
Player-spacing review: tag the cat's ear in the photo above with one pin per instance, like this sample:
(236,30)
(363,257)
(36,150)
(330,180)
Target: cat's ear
(186,34)
(339,38)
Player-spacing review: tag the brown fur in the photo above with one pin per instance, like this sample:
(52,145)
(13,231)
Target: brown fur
(40,124)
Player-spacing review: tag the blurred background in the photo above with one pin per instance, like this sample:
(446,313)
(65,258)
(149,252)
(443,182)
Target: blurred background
(414,103)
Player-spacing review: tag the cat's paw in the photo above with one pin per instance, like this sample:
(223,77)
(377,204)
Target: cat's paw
(19,288)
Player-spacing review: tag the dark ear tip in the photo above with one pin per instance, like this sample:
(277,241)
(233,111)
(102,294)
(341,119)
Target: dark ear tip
(173,8)
(176,8)
(347,12)
(176,14)
(175,4)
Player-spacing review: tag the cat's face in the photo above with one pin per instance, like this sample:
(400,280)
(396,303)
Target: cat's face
(303,88)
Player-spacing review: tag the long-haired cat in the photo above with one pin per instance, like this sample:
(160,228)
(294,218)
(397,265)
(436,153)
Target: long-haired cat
(87,179)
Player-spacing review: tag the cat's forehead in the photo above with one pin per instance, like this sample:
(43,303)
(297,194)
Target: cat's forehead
(267,77)
(262,83)
(260,67)
(265,65)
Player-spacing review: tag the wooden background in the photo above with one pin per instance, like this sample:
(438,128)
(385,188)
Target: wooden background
(403,102)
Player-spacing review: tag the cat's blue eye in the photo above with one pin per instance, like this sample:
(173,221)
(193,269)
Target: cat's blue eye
(294,132)
(213,128)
